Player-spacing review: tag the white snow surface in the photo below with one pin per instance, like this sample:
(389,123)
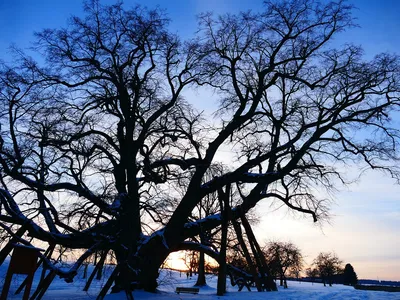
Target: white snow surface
(169,280)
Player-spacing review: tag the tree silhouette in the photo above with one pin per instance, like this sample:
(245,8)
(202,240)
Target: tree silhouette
(283,258)
(349,275)
(96,137)
(327,264)
(312,273)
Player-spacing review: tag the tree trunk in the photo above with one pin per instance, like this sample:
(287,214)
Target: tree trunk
(224,208)
(151,256)
(101,266)
(257,260)
(201,278)
(128,240)
(221,286)
(259,256)
(95,258)
(242,243)
(85,266)
(98,268)
(146,278)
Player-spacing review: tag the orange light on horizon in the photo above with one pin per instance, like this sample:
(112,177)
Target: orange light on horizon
(176,261)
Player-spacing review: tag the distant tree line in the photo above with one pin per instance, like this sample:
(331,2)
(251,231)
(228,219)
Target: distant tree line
(285,261)
(379,282)
(327,267)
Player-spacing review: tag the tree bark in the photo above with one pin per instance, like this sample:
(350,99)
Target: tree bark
(128,240)
(101,265)
(150,257)
(224,203)
(201,276)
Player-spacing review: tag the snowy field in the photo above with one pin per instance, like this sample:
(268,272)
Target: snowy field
(170,280)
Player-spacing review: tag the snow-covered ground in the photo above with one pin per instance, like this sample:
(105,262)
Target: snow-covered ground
(169,280)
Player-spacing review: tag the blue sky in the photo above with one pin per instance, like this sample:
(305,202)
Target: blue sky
(364,228)
(20,18)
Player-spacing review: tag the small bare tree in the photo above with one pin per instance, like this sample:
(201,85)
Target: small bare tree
(312,273)
(283,258)
(327,265)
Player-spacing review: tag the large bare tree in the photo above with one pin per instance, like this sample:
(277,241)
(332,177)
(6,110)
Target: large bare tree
(95,137)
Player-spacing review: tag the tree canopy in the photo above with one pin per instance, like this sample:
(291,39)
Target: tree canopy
(95,138)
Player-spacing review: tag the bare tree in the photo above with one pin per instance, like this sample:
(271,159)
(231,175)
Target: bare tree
(191,260)
(312,273)
(94,141)
(327,265)
(283,258)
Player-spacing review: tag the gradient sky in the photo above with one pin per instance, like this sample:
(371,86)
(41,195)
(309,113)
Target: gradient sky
(365,221)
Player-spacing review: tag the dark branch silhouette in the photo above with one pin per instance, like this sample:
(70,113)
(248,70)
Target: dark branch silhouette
(96,141)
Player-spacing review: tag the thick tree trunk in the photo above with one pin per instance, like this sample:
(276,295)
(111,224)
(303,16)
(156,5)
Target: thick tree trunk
(128,240)
(140,270)
(151,256)
(147,267)
(221,285)
(201,277)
